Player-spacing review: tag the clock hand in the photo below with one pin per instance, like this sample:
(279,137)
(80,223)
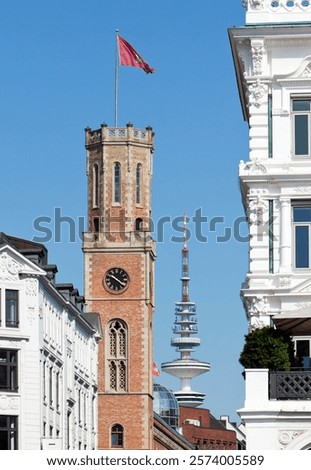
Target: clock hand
(118,280)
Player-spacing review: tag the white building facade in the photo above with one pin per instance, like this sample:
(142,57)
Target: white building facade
(48,355)
(272,57)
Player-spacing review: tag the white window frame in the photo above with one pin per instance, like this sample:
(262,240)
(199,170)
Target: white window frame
(300,113)
(298,204)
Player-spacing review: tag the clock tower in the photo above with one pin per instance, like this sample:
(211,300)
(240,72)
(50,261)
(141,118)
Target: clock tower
(119,255)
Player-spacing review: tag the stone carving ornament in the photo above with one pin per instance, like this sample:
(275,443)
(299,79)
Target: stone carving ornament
(285,437)
(284,281)
(256,323)
(256,210)
(256,168)
(255,4)
(257,93)
(31,286)
(8,268)
(8,403)
(256,305)
(257,55)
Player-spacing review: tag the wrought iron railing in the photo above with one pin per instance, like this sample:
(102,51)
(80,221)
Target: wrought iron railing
(290,385)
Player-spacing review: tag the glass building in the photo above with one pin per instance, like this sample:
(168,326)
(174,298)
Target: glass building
(166,405)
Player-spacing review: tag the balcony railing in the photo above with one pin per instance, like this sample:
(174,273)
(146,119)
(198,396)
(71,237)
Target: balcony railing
(291,385)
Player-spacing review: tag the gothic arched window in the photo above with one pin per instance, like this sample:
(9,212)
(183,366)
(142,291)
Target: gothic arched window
(117,183)
(117,356)
(138,183)
(117,435)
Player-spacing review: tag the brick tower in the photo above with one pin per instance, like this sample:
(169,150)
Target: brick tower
(119,256)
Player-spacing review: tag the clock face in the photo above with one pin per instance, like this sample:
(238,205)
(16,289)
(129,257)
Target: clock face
(116,280)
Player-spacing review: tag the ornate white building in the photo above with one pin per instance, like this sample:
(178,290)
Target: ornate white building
(48,355)
(272,58)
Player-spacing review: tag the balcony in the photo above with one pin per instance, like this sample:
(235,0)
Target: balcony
(291,385)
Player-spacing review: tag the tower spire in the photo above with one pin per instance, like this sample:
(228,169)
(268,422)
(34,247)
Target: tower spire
(185,325)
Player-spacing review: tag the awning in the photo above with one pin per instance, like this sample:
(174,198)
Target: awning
(295,323)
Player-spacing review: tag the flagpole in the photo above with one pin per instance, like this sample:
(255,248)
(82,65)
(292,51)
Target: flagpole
(116,81)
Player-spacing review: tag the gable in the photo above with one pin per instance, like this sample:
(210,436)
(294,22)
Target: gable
(12,264)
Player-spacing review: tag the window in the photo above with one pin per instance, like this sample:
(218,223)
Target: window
(302,226)
(95,186)
(96,224)
(44,380)
(11,308)
(117,435)
(8,370)
(301,111)
(138,224)
(117,356)
(117,183)
(57,391)
(51,386)
(302,347)
(138,184)
(8,433)
(68,428)
(270,130)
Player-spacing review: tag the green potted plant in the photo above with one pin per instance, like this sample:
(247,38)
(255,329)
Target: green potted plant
(267,348)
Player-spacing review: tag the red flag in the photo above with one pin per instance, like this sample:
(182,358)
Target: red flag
(128,56)
(155,371)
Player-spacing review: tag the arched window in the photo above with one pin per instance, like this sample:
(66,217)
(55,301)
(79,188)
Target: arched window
(138,225)
(95,185)
(138,183)
(117,183)
(96,224)
(117,435)
(117,356)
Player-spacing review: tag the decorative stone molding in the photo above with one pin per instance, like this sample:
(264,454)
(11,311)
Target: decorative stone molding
(9,268)
(31,287)
(256,323)
(256,168)
(8,402)
(287,5)
(285,437)
(256,209)
(276,5)
(277,11)
(306,289)
(31,315)
(258,192)
(256,305)
(257,48)
(303,305)
(284,281)
(257,94)
(303,189)
(256,4)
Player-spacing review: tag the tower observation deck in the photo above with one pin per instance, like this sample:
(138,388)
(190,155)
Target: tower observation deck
(185,327)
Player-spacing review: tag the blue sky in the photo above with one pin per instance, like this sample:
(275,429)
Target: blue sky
(57,77)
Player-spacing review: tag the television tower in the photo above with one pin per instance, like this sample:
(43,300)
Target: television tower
(185,326)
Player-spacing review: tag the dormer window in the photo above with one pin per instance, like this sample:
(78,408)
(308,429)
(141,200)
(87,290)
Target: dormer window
(301,112)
